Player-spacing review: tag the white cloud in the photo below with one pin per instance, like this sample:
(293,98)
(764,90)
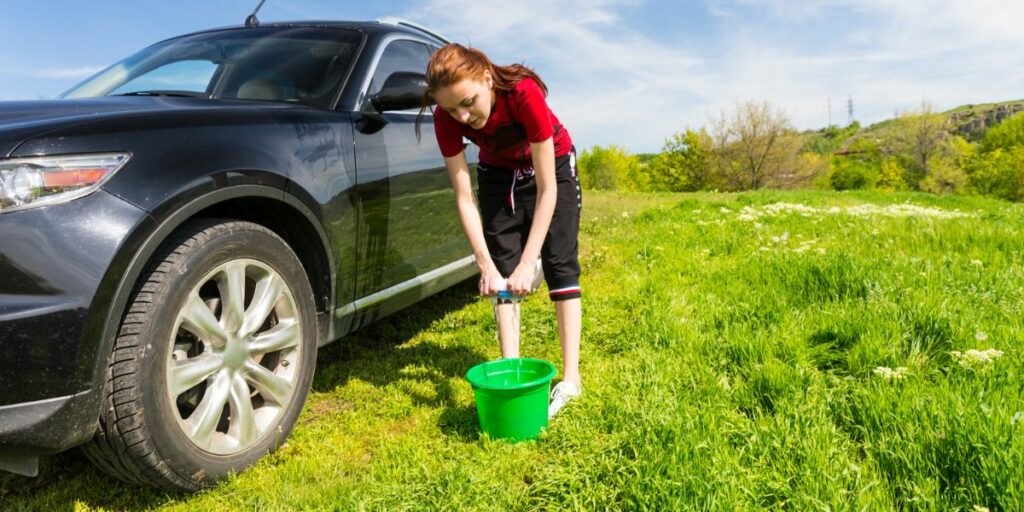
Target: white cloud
(900,53)
(612,84)
(609,84)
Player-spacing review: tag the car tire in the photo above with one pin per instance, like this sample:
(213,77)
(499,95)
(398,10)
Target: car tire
(213,359)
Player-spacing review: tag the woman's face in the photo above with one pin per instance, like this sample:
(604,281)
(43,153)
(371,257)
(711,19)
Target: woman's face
(468,101)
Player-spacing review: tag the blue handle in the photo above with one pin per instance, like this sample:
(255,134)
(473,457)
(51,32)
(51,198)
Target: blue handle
(504,293)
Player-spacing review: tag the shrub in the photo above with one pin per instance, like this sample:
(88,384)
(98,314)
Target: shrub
(1005,135)
(852,173)
(684,165)
(945,177)
(1000,173)
(890,177)
(609,168)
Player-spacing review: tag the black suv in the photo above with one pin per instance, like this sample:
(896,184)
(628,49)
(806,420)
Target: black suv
(181,231)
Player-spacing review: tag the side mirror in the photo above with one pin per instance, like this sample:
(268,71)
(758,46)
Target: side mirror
(402,91)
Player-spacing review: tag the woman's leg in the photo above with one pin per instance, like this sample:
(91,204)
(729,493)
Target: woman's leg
(570,318)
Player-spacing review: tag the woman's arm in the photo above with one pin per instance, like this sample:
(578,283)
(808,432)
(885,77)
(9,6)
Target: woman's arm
(458,172)
(544,166)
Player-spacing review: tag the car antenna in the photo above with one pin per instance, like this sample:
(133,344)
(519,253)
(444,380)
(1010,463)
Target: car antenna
(251,21)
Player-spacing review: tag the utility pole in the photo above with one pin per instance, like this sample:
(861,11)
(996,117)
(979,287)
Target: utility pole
(849,110)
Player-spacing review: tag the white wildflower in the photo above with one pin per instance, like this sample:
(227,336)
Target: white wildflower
(981,360)
(724,382)
(976,263)
(764,248)
(979,508)
(821,250)
(980,336)
(1017,417)
(890,374)
(625,214)
(749,213)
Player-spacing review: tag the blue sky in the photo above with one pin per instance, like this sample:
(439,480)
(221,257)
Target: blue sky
(626,72)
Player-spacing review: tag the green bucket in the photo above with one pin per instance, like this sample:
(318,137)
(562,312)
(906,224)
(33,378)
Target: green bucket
(512,396)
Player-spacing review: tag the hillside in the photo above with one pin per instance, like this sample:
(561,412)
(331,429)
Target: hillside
(969,121)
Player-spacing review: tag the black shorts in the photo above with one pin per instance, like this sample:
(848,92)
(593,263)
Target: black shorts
(507,200)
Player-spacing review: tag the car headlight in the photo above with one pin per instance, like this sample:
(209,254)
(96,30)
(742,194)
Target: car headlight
(38,181)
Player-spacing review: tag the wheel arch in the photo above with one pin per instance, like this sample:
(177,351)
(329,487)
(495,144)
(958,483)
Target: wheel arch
(267,206)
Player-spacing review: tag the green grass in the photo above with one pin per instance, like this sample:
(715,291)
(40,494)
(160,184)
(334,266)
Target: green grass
(729,362)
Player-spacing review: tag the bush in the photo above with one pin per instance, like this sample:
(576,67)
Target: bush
(852,173)
(1005,135)
(684,165)
(890,177)
(609,168)
(1000,173)
(945,177)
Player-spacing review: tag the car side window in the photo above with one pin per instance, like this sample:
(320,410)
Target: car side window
(400,55)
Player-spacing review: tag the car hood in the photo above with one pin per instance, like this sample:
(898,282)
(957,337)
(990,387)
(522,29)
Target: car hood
(22,120)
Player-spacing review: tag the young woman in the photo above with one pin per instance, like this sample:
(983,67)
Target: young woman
(528,191)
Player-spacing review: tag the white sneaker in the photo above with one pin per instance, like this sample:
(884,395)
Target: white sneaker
(563,392)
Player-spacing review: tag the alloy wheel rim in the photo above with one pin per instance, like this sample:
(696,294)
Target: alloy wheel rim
(237,343)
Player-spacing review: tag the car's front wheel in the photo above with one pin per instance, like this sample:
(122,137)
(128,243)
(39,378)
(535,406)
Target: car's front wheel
(213,360)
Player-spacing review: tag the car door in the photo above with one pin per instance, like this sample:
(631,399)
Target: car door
(408,222)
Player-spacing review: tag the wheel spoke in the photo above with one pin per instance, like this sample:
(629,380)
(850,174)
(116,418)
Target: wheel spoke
(284,335)
(199,320)
(273,388)
(188,373)
(202,424)
(232,294)
(268,290)
(243,419)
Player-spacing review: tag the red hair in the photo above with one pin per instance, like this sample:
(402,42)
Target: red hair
(453,63)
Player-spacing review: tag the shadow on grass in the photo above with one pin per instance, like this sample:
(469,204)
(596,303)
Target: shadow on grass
(378,355)
(67,479)
(373,354)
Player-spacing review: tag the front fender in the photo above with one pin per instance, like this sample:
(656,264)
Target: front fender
(139,248)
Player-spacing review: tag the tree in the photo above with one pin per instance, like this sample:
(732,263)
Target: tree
(684,164)
(890,176)
(1005,135)
(756,147)
(1000,173)
(998,169)
(917,138)
(609,168)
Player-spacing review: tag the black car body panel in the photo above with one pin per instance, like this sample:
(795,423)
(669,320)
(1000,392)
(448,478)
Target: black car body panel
(51,262)
(367,207)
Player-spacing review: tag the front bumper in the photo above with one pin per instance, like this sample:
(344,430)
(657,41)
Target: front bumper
(56,266)
(31,429)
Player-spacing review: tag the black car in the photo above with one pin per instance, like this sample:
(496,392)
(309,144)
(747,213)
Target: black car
(180,232)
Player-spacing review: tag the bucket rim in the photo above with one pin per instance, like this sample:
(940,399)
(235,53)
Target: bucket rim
(546,377)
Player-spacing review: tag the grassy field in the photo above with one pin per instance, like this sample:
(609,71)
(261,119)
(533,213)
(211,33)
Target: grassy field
(798,351)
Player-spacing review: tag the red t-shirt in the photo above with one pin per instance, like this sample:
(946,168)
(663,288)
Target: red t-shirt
(519,117)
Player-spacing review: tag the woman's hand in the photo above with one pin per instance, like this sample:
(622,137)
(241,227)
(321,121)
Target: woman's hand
(490,281)
(521,280)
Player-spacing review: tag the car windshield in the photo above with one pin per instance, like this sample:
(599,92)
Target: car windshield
(284,64)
